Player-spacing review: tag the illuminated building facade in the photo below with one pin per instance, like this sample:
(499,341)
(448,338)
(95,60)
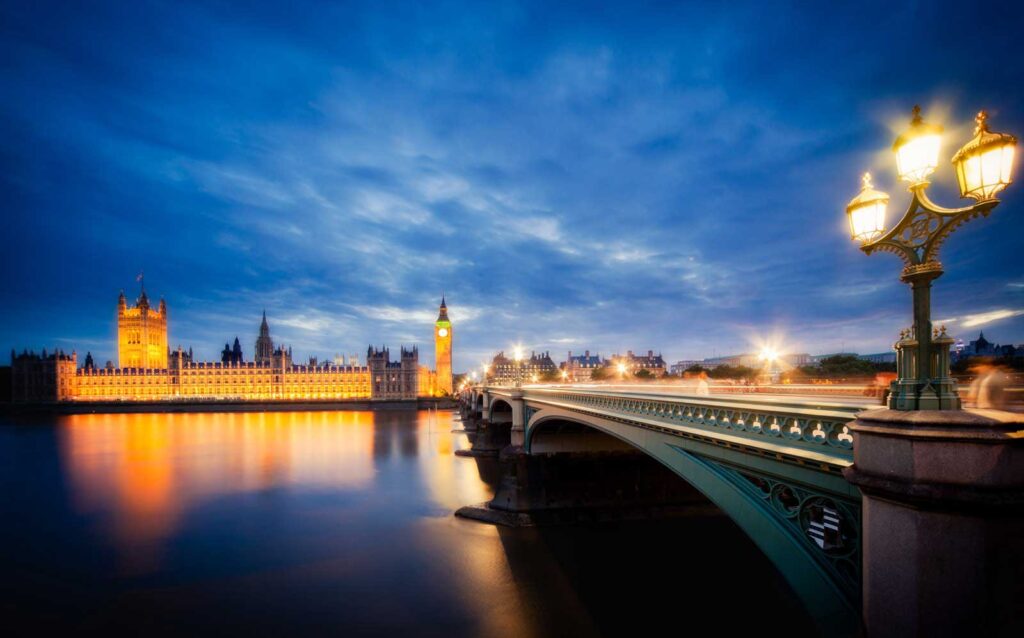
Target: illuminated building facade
(141,333)
(174,376)
(443,349)
(220,381)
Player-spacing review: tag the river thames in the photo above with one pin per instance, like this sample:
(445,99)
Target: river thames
(303,523)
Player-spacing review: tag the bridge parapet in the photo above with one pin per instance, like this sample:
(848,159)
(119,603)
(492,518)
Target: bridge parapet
(819,430)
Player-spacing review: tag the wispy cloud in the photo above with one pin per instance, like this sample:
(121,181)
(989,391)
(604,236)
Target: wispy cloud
(983,318)
(572,177)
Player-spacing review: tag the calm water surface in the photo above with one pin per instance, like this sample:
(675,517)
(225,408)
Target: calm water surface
(332,522)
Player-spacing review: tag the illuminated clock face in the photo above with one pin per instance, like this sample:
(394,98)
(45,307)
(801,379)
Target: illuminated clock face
(443,332)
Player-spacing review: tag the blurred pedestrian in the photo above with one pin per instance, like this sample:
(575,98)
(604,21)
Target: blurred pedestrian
(703,389)
(989,387)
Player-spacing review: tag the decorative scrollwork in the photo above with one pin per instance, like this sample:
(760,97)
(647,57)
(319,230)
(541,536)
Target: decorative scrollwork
(920,228)
(925,226)
(809,430)
(828,525)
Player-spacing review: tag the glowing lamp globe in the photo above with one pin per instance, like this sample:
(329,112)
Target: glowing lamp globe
(866,212)
(917,150)
(984,164)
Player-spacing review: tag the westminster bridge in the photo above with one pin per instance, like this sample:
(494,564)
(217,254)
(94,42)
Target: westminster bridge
(882,522)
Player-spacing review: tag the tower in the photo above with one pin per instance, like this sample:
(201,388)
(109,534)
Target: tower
(443,349)
(264,344)
(141,333)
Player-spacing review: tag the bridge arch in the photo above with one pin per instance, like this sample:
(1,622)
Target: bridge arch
(829,600)
(500,410)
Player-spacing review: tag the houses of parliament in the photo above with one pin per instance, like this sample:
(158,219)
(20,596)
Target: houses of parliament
(148,371)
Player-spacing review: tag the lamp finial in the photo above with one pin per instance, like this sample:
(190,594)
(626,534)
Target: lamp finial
(982,119)
(917,115)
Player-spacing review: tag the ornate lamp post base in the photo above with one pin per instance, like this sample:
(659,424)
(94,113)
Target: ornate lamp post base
(922,353)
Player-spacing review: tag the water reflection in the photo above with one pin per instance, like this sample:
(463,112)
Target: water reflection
(144,472)
(319,522)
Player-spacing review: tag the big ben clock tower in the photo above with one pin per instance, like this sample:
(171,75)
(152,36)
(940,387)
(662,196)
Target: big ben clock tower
(443,349)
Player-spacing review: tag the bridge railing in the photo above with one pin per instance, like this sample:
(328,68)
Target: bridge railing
(817,430)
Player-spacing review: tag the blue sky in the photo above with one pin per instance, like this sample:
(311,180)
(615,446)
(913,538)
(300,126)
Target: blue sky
(603,177)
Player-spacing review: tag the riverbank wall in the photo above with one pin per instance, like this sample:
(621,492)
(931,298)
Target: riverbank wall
(120,407)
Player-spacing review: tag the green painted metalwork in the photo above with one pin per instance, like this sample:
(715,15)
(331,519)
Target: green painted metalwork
(828,525)
(817,432)
(773,466)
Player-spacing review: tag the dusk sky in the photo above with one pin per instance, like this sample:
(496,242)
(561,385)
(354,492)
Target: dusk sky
(606,177)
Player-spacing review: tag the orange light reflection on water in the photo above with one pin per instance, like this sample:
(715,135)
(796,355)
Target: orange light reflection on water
(145,471)
(149,480)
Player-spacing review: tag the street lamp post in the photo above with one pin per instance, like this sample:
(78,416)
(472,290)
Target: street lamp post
(517,356)
(771,357)
(983,168)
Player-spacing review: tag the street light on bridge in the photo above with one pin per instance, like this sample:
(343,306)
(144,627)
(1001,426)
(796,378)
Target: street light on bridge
(983,168)
(517,356)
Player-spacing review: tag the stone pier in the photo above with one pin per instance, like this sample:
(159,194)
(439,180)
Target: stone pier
(943,518)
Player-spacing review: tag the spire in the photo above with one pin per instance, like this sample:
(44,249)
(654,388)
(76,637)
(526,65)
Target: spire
(264,327)
(442,314)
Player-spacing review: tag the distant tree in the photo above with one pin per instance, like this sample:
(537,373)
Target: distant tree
(732,372)
(551,375)
(644,374)
(600,374)
(794,375)
(696,369)
(841,366)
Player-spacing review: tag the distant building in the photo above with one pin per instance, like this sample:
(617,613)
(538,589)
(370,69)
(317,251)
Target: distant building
(581,367)
(982,347)
(504,371)
(652,363)
(679,367)
(747,360)
(818,358)
(881,357)
(42,378)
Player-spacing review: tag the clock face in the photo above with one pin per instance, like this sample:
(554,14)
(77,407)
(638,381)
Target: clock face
(443,332)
